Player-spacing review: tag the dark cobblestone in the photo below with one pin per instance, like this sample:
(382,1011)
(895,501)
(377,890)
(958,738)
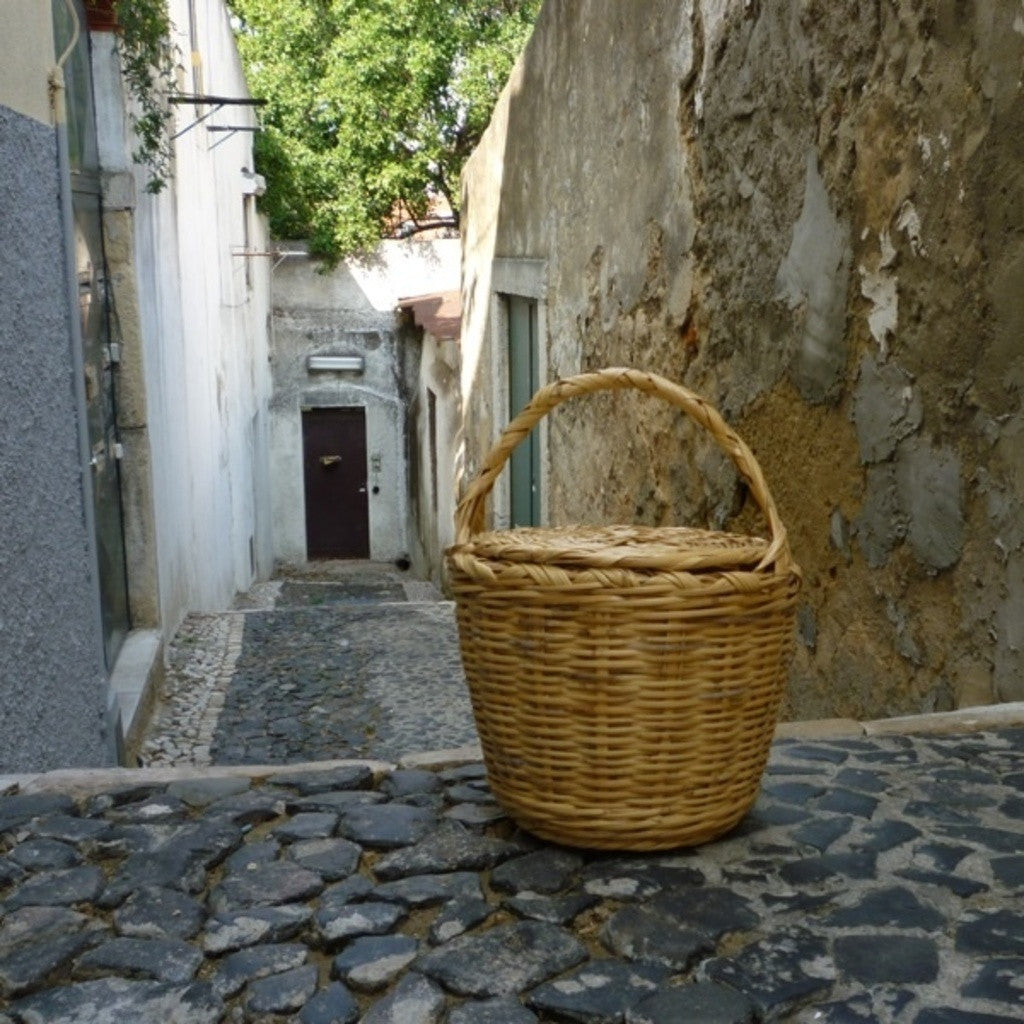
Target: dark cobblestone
(427,890)
(369,963)
(353,919)
(995,932)
(458,917)
(231,932)
(646,935)
(42,854)
(599,991)
(160,959)
(1009,870)
(475,922)
(387,826)
(155,913)
(492,1011)
(331,859)
(789,967)
(702,1001)
(505,960)
(113,1000)
(553,909)
(875,959)
(543,871)
(282,993)
(415,1000)
(266,885)
(885,908)
(332,1005)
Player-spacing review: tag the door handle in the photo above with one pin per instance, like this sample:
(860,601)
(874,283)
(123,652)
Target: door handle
(329,460)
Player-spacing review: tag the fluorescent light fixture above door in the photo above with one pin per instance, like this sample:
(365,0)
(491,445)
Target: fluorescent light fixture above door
(320,364)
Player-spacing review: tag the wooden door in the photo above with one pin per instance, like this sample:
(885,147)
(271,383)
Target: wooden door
(334,471)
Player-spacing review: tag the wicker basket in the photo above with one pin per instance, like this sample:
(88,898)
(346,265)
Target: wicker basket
(625,680)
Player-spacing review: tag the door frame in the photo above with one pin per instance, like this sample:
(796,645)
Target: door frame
(517,278)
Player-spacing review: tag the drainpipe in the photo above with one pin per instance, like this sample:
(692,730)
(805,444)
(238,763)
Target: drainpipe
(109,723)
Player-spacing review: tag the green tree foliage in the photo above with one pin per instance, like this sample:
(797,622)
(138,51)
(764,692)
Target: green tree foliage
(373,106)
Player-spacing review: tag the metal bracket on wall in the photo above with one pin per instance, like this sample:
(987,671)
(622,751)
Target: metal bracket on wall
(278,255)
(216,103)
(230,129)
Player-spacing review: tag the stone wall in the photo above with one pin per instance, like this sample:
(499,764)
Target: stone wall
(813,214)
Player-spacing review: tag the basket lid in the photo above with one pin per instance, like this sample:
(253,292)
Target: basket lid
(665,549)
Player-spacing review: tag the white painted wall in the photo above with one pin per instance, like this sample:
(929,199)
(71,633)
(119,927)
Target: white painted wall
(351,310)
(203,325)
(433,522)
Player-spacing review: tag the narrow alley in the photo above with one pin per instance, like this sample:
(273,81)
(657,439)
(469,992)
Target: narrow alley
(297,329)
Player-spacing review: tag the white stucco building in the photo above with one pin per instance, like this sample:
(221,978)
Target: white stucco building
(344,378)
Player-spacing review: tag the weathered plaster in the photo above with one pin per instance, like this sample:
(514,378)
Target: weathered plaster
(813,214)
(929,484)
(140,536)
(886,408)
(880,525)
(879,287)
(813,279)
(432,367)
(1009,681)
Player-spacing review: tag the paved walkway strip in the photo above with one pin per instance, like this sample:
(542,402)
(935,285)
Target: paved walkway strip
(365,666)
(877,879)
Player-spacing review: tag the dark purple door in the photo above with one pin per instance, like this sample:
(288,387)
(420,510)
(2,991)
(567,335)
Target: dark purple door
(334,469)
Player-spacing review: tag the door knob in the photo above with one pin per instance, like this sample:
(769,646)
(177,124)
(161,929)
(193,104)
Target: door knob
(329,460)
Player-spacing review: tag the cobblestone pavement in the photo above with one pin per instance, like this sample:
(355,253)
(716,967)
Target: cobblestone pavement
(354,662)
(877,879)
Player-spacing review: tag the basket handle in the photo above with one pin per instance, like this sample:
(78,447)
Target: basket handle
(469,515)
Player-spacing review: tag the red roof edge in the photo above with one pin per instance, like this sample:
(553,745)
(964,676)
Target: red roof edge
(439,313)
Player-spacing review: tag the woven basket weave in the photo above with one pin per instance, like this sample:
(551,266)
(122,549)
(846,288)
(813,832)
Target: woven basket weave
(625,680)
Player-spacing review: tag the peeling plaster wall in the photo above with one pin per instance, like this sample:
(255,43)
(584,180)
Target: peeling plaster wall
(813,214)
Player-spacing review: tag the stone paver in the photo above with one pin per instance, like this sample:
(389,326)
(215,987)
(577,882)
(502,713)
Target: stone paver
(817,908)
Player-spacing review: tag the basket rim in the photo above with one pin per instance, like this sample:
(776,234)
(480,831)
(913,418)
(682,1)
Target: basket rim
(584,546)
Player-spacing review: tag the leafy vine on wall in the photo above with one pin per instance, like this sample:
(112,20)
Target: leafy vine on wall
(149,68)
